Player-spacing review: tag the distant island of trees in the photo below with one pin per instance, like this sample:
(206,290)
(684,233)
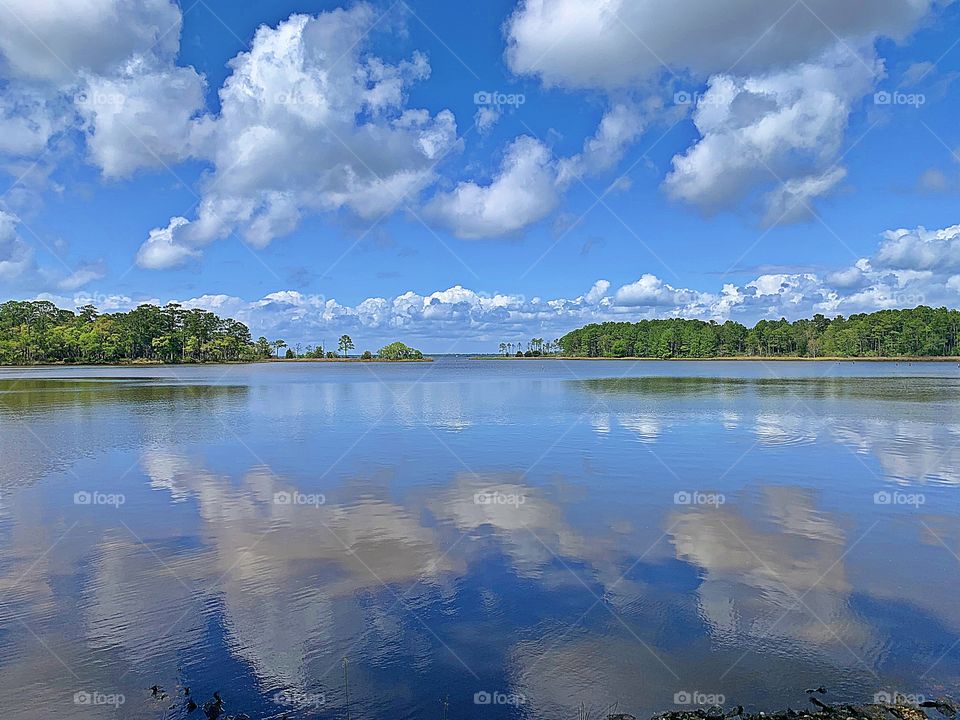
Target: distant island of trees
(920,332)
(38,332)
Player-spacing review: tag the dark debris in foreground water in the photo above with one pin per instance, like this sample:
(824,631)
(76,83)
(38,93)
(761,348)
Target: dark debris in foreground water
(944,706)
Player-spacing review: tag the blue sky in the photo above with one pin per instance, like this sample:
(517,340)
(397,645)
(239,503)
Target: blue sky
(456,175)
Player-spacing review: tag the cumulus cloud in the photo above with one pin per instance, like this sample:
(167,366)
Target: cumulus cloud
(783,129)
(619,127)
(530,180)
(28,120)
(781,81)
(142,117)
(921,249)
(909,268)
(597,292)
(851,278)
(106,67)
(523,191)
(161,251)
(651,291)
(310,122)
(619,43)
(53,42)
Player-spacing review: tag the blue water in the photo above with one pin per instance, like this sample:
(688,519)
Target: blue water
(553,534)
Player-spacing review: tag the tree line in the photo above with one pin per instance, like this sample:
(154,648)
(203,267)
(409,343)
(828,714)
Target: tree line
(918,332)
(536,347)
(40,332)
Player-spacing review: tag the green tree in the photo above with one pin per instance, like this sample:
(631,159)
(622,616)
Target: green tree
(263,347)
(346,345)
(399,351)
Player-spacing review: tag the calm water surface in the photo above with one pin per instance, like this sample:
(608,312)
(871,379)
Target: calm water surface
(552,533)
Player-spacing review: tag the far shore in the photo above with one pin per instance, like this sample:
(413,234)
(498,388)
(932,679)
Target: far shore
(158,363)
(352,360)
(738,358)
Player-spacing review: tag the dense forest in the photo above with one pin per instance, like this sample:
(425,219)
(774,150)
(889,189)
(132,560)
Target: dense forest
(920,332)
(39,332)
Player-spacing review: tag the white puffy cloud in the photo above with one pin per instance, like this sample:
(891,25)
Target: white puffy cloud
(854,277)
(909,268)
(530,179)
(921,249)
(523,191)
(142,117)
(782,129)
(597,292)
(102,66)
(782,81)
(28,120)
(53,42)
(651,291)
(619,43)
(619,127)
(310,122)
(161,251)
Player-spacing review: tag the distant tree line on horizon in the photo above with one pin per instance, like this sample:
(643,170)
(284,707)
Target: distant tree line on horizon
(920,332)
(536,347)
(40,332)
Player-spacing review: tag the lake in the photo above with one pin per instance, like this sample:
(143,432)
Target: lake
(478,539)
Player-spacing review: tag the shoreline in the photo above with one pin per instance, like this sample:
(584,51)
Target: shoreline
(738,358)
(152,364)
(337,360)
